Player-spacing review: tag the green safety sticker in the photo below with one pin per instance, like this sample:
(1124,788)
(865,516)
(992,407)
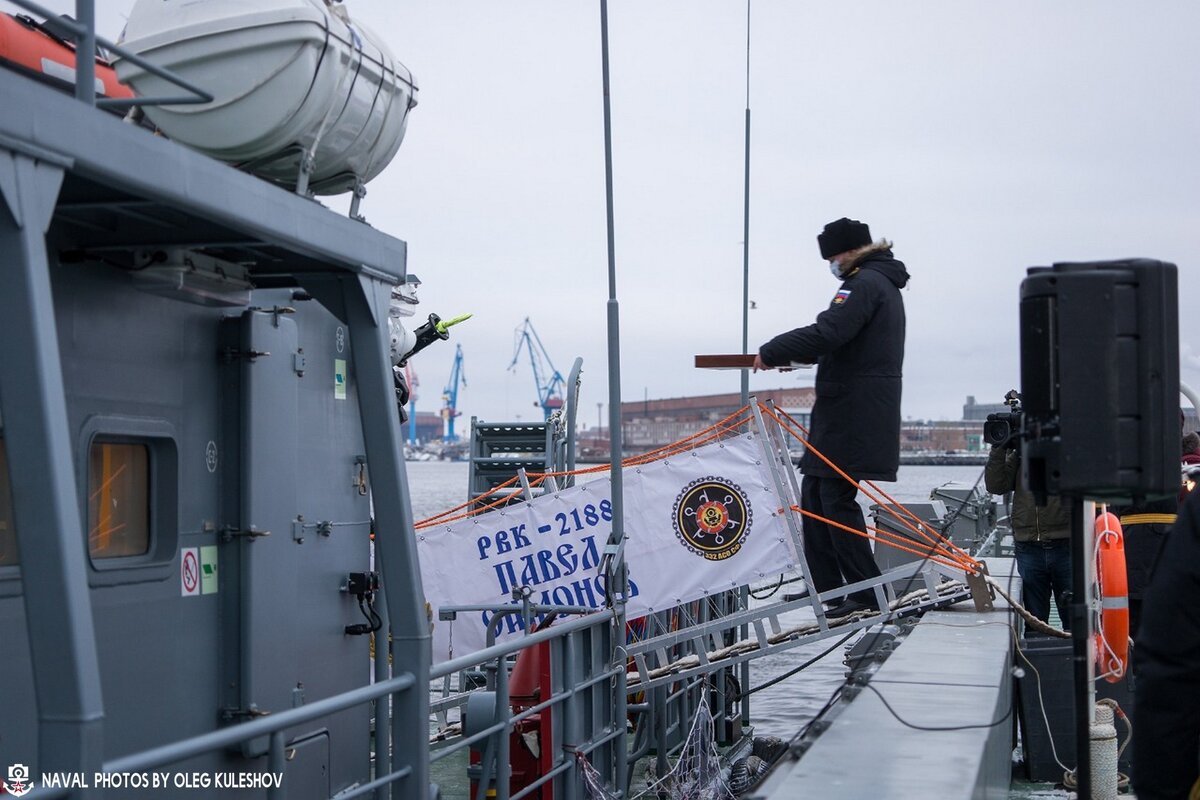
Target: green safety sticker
(208,569)
(339,379)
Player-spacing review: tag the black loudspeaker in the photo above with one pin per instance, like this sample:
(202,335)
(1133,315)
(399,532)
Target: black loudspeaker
(1100,379)
(1052,689)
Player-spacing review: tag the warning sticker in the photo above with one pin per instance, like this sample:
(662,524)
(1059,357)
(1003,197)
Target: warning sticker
(189,572)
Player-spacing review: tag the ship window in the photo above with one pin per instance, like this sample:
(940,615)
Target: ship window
(118,499)
(8,534)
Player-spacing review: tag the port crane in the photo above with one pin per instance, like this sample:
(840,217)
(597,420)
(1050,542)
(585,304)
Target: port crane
(410,375)
(548,381)
(450,395)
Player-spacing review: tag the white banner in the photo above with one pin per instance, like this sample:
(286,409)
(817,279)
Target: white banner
(696,524)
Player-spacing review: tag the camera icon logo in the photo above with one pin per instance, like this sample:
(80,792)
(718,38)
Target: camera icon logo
(18,783)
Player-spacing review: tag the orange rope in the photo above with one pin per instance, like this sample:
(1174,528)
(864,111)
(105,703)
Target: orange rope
(717,430)
(682,446)
(893,540)
(934,539)
(908,513)
(952,556)
(931,539)
(443,517)
(701,437)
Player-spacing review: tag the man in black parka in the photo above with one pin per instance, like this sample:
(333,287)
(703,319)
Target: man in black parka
(1166,661)
(858,346)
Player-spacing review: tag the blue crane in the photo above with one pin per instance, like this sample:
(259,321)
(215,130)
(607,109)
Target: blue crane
(450,395)
(410,376)
(546,378)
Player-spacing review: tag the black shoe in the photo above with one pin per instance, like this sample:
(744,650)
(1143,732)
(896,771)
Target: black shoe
(847,607)
(769,748)
(787,598)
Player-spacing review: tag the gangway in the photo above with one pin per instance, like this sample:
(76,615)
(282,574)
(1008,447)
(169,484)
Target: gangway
(681,657)
(498,451)
(697,650)
(659,661)
(674,653)
(547,380)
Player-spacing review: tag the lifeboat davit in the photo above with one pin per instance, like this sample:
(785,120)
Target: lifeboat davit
(291,79)
(44,51)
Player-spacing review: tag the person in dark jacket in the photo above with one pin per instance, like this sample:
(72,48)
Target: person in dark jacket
(1190,447)
(1189,464)
(1166,750)
(858,346)
(1144,528)
(1041,537)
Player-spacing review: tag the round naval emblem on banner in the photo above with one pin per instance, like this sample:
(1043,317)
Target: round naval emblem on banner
(712,517)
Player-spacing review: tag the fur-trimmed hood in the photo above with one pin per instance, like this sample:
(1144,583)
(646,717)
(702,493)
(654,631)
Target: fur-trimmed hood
(876,256)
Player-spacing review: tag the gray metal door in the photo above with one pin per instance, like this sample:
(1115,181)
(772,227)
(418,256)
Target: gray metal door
(300,523)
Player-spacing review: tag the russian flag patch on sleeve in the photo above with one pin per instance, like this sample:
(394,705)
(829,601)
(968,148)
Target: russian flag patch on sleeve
(841,296)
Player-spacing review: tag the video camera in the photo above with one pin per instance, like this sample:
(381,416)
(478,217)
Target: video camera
(1005,428)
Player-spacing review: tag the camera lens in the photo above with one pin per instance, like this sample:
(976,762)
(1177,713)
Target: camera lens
(995,431)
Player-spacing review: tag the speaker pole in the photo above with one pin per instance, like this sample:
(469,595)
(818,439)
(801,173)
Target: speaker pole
(1081,640)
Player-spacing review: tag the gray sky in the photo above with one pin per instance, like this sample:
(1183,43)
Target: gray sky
(982,138)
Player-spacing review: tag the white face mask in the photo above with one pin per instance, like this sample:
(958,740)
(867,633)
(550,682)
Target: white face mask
(836,269)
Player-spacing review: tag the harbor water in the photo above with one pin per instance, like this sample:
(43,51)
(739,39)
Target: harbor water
(779,710)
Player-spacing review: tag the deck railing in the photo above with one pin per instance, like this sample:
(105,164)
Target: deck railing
(584,681)
(586,703)
(272,726)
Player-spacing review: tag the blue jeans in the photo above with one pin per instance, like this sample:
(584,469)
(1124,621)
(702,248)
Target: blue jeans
(1045,569)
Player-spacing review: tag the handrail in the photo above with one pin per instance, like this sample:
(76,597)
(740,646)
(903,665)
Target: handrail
(497,731)
(207,742)
(85,68)
(510,721)
(508,648)
(1190,394)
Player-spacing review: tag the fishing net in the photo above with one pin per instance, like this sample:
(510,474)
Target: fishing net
(695,776)
(593,786)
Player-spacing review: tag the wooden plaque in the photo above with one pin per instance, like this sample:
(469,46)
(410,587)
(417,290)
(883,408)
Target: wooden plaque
(725,361)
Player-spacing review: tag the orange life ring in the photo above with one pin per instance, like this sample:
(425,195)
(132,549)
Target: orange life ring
(1112,641)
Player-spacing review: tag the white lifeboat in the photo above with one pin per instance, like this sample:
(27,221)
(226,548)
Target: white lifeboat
(291,79)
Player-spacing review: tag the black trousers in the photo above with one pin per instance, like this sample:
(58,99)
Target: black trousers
(836,557)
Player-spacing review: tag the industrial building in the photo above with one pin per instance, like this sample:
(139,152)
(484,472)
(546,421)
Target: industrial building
(424,427)
(648,424)
(652,423)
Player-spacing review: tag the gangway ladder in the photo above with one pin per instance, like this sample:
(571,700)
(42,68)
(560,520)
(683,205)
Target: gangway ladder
(657,661)
(499,451)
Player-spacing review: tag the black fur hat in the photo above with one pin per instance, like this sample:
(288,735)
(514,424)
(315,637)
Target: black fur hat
(842,235)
